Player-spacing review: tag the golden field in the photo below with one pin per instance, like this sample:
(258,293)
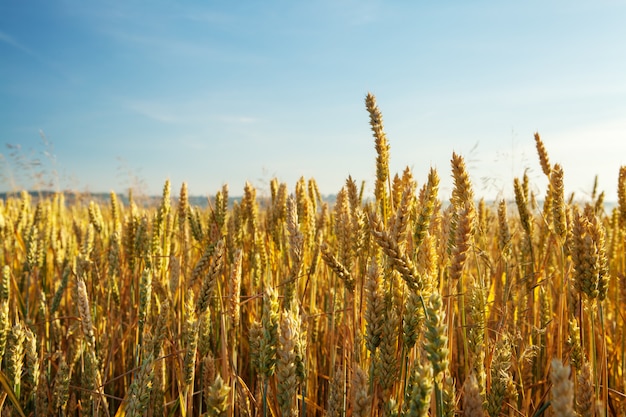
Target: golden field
(407,303)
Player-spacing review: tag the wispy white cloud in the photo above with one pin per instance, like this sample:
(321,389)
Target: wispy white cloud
(237,119)
(604,136)
(159,44)
(152,29)
(350,12)
(194,142)
(527,93)
(362,12)
(154,110)
(9,40)
(209,16)
(191,111)
(41,59)
(168,45)
(99,12)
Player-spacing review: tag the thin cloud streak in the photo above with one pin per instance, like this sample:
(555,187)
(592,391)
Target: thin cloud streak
(8,39)
(43,61)
(159,44)
(188,112)
(153,110)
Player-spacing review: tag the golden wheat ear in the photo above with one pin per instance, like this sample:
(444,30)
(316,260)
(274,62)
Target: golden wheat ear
(381,145)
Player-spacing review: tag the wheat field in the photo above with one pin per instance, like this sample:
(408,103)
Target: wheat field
(405,303)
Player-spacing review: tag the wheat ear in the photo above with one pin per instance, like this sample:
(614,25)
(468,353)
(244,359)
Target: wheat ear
(472,400)
(585,392)
(543,155)
(562,390)
(382,154)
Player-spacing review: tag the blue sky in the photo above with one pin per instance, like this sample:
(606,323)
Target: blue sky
(130,93)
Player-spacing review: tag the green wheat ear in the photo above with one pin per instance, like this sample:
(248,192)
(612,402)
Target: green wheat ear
(436,343)
(217,398)
(269,339)
(5,292)
(139,391)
